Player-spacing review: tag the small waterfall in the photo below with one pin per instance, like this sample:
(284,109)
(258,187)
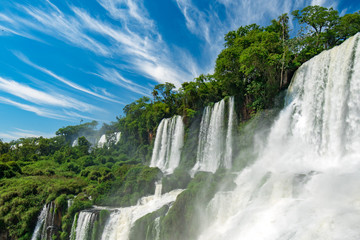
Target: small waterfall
(157,228)
(73,227)
(121,220)
(84,227)
(40,222)
(230,134)
(117,137)
(168,144)
(305,183)
(215,136)
(75,143)
(105,140)
(102,141)
(70,203)
(45,226)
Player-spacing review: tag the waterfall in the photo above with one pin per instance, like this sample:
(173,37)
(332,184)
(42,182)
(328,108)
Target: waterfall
(45,226)
(168,144)
(117,137)
(84,226)
(229,134)
(75,143)
(112,138)
(305,183)
(119,224)
(157,228)
(102,141)
(40,222)
(215,136)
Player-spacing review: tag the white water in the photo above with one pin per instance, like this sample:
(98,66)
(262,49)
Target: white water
(84,225)
(45,223)
(305,184)
(121,220)
(113,138)
(168,144)
(117,137)
(75,143)
(230,134)
(215,136)
(40,222)
(157,228)
(102,141)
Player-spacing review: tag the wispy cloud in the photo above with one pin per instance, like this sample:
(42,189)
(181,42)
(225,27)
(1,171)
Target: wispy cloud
(135,39)
(37,110)
(113,76)
(41,98)
(146,53)
(127,11)
(21,133)
(62,79)
(198,22)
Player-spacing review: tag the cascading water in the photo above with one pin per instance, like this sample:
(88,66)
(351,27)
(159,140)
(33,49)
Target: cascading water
(215,138)
(121,220)
(75,143)
(230,134)
(117,137)
(305,183)
(168,144)
(41,219)
(84,225)
(102,141)
(106,140)
(45,226)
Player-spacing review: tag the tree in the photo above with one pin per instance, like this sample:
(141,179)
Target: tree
(321,20)
(85,129)
(348,26)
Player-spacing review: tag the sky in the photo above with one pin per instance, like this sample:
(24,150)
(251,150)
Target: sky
(63,62)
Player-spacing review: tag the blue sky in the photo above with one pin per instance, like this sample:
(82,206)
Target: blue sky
(62,61)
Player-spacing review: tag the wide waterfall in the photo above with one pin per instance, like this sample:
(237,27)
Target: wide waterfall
(168,144)
(122,219)
(305,183)
(216,137)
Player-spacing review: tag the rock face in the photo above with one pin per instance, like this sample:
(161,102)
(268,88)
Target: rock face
(4,236)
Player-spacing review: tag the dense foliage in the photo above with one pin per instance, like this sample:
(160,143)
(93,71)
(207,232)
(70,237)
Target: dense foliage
(255,65)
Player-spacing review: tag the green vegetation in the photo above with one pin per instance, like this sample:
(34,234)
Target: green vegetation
(255,65)
(185,218)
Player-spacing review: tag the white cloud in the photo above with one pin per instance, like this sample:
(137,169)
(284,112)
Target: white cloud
(63,80)
(21,133)
(41,98)
(113,76)
(134,39)
(127,11)
(198,22)
(37,110)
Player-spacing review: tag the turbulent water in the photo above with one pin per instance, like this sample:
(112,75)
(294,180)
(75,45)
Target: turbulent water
(102,141)
(84,225)
(121,220)
(168,144)
(40,222)
(215,137)
(305,184)
(45,224)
